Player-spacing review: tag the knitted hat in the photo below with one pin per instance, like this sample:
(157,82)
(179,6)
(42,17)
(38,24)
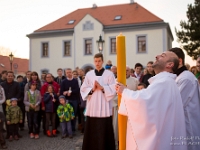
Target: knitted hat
(62,96)
(13,99)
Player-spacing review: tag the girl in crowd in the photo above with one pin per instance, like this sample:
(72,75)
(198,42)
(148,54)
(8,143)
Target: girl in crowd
(35,78)
(50,101)
(32,100)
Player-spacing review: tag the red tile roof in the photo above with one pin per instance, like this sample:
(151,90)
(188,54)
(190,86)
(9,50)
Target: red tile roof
(131,14)
(23,64)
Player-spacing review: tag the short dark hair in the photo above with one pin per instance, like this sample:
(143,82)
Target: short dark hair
(150,62)
(27,71)
(4,71)
(138,65)
(179,52)
(99,55)
(176,64)
(59,69)
(19,76)
(142,84)
(10,72)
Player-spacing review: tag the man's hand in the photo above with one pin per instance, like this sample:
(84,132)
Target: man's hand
(20,121)
(98,86)
(54,100)
(8,122)
(65,93)
(69,94)
(43,108)
(119,88)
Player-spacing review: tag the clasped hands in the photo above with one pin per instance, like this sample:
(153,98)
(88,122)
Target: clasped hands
(97,86)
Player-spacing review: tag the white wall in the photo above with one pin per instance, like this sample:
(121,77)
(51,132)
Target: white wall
(80,35)
(154,45)
(55,60)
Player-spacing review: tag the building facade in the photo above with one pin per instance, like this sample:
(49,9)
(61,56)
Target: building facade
(71,40)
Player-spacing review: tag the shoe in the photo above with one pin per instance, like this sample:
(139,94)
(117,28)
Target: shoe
(36,136)
(54,133)
(49,133)
(63,137)
(3,146)
(70,136)
(31,135)
(10,138)
(16,137)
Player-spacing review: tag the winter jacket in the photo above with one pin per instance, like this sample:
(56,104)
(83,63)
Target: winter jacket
(14,114)
(50,106)
(66,111)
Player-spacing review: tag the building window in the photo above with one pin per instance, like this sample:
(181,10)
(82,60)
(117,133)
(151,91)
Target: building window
(113,45)
(141,42)
(67,48)
(45,49)
(88,47)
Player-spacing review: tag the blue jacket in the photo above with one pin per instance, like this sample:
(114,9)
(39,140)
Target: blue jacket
(50,106)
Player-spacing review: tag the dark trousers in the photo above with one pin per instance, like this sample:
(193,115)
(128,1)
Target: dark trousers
(79,115)
(50,117)
(22,107)
(42,119)
(33,121)
(13,129)
(82,118)
(74,104)
(66,128)
(2,139)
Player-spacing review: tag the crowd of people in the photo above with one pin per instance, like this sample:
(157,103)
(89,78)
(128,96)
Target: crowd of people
(74,99)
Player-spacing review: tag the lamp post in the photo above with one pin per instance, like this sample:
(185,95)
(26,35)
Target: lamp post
(11,56)
(100,44)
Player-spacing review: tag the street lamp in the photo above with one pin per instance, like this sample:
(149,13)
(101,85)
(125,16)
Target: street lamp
(11,56)
(100,44)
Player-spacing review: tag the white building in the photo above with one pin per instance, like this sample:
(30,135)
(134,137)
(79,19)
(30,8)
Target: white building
(71,40)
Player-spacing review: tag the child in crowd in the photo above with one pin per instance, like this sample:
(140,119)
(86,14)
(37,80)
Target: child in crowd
(32,100)
(14,117)
(141,86)
(65,113)
(50,100)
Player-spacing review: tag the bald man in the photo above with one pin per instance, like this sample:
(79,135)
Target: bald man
(155,115)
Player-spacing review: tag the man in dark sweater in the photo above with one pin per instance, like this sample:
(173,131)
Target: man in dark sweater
(70,89)
(60,76)
(12,89)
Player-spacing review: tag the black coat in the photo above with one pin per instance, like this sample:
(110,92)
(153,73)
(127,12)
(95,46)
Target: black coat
(50,106)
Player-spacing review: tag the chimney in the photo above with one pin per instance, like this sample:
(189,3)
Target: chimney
(132,1)
(94,6)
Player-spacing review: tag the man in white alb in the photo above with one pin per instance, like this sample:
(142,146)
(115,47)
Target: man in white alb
(155,115)
(188,86)
(98,89)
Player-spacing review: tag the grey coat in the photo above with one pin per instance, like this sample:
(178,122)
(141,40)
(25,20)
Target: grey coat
(27,100)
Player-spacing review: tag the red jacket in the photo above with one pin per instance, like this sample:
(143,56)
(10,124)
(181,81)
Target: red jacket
(43,90)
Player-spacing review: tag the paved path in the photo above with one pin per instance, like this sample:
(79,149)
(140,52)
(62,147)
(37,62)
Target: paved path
(45,143)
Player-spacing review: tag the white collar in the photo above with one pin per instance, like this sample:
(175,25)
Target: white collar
(161,75)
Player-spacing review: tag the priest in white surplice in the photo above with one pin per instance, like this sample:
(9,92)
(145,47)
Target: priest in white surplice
(155,115)
(98,89)
(188,86)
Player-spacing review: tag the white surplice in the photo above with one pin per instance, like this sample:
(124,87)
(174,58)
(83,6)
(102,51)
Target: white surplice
(155,115)
(99,104)
(188,86)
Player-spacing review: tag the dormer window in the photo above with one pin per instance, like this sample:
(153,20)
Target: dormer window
(71,21)
(118,17)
